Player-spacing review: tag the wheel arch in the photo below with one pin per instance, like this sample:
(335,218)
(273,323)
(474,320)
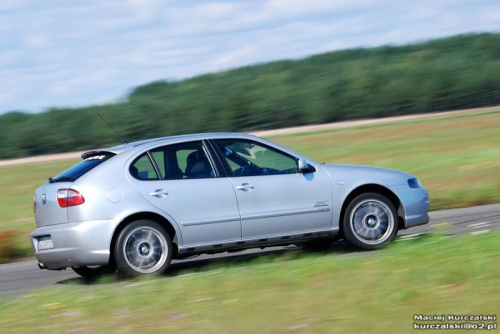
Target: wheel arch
(378,189)
(169,227)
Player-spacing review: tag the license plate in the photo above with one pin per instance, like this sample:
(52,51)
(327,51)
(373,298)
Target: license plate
(45,243)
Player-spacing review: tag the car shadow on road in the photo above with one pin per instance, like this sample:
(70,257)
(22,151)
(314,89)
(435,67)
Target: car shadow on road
(229,259)
(206,263)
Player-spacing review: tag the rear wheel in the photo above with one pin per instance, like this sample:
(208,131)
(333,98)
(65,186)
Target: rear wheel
(370,221)
(143,248)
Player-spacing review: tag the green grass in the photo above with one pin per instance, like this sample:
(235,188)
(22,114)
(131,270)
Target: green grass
(457,157)
(362,292)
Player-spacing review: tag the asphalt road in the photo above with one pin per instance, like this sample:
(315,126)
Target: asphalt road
(23,277)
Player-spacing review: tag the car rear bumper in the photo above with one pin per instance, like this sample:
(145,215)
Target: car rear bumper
(415,205)
(75,244)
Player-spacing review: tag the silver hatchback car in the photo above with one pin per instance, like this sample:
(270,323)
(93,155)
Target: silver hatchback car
(136,206)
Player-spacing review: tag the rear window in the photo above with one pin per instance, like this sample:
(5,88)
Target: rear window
(143,169)
(73,173)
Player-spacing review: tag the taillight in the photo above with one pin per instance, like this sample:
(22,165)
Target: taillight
(69,197)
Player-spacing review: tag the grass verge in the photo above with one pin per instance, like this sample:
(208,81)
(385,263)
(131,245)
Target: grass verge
(362,292)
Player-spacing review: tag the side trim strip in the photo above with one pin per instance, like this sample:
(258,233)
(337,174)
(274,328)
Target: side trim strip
(210,221)
(287,213)
(259,216)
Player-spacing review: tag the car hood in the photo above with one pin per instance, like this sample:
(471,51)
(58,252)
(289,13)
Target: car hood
(370,174)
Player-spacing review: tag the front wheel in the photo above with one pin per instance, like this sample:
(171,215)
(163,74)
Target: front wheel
(370,221)
(143,248)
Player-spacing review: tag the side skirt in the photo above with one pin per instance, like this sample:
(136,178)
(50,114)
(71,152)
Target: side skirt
(267,241)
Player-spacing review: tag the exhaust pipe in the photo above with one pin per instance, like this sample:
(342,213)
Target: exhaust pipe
(41,265)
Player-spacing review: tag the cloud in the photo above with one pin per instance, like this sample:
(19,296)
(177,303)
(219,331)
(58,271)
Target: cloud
(55,53)
(231,57)
(37,41)
(8,58)
(6,5)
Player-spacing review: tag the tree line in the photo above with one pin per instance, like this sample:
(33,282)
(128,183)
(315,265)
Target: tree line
(445,74)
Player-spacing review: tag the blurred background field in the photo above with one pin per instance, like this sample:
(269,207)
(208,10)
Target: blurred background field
(457,157)
(331,292)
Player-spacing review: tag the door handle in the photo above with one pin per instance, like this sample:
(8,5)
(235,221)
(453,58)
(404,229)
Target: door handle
(245,187)
(160,193)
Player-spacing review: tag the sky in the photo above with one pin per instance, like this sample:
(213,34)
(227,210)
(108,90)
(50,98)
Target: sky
(76,53)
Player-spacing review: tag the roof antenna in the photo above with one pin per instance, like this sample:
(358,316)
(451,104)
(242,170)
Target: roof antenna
(121,138)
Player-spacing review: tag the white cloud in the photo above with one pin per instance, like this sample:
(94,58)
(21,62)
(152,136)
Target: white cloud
(231,57)
(37,41)
(218,10)
(12,4)
(9,58)
(7,97)
(287,7)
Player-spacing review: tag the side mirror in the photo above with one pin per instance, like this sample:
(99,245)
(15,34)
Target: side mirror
(304,167)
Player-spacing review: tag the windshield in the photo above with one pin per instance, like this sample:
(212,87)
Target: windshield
(73,173)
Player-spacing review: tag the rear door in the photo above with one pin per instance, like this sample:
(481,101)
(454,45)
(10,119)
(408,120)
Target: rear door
(183,181)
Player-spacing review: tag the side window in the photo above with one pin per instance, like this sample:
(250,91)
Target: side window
(159,158)
(143,169)
(248,158)
(183,161)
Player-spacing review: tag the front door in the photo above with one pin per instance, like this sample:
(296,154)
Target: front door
(274,198)
(190,191)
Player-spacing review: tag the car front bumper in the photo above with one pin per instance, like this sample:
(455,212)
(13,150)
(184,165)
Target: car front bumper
(75,244)
(415,203)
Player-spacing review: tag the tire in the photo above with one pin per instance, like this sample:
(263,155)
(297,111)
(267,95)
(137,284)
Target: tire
(93,271)
(370,221)
(143,248)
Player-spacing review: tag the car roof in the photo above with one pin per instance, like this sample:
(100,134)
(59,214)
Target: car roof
(165,140)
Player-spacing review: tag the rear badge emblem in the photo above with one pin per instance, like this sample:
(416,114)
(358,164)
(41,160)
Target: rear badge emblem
(44,199)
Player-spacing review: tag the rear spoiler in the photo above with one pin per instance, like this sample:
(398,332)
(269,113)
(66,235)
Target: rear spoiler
(107,151)
(89,154)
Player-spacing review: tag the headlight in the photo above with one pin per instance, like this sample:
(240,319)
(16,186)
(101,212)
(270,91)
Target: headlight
(414,183)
